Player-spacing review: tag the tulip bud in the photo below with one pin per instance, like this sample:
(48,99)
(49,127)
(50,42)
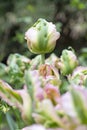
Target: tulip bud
(41,37)
(52,59)
(68,62)
(45,70)
(79,76)
(50,74)
(35,62)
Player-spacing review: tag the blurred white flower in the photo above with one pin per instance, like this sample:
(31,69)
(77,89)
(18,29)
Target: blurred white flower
(34,127)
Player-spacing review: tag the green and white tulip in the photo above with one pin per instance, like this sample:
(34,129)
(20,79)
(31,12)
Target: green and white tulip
(41,37)
(68,62)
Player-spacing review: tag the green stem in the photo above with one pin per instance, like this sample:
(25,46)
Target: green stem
(43,58)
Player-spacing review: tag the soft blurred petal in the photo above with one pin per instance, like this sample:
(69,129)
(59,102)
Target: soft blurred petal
(34,127)
(79,97)
(67,104)
(52,92)
(26,109)
(81,127)
(18,98)
(47,109)
(9,95)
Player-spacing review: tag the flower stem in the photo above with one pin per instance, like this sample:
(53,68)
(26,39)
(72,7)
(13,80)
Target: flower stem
(43,58)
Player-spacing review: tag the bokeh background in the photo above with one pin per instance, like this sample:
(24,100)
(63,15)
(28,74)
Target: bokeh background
(16,16)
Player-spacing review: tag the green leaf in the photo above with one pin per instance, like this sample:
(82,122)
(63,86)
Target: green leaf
(11,122)
(80,104)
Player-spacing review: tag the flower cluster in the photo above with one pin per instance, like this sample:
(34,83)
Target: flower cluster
(54,93)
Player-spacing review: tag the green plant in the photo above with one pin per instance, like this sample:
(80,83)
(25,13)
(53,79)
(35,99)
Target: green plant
(49,93)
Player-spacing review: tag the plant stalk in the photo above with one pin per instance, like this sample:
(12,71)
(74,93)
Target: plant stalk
(43,58)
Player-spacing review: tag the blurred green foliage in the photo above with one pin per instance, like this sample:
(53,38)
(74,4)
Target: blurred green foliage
(16,16)
(73,16)
(83,57)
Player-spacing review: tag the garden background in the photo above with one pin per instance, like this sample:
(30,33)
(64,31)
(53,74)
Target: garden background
(16,16)
(70,17)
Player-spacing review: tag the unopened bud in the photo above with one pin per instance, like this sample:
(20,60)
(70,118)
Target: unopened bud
(68,62)
(41,37)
